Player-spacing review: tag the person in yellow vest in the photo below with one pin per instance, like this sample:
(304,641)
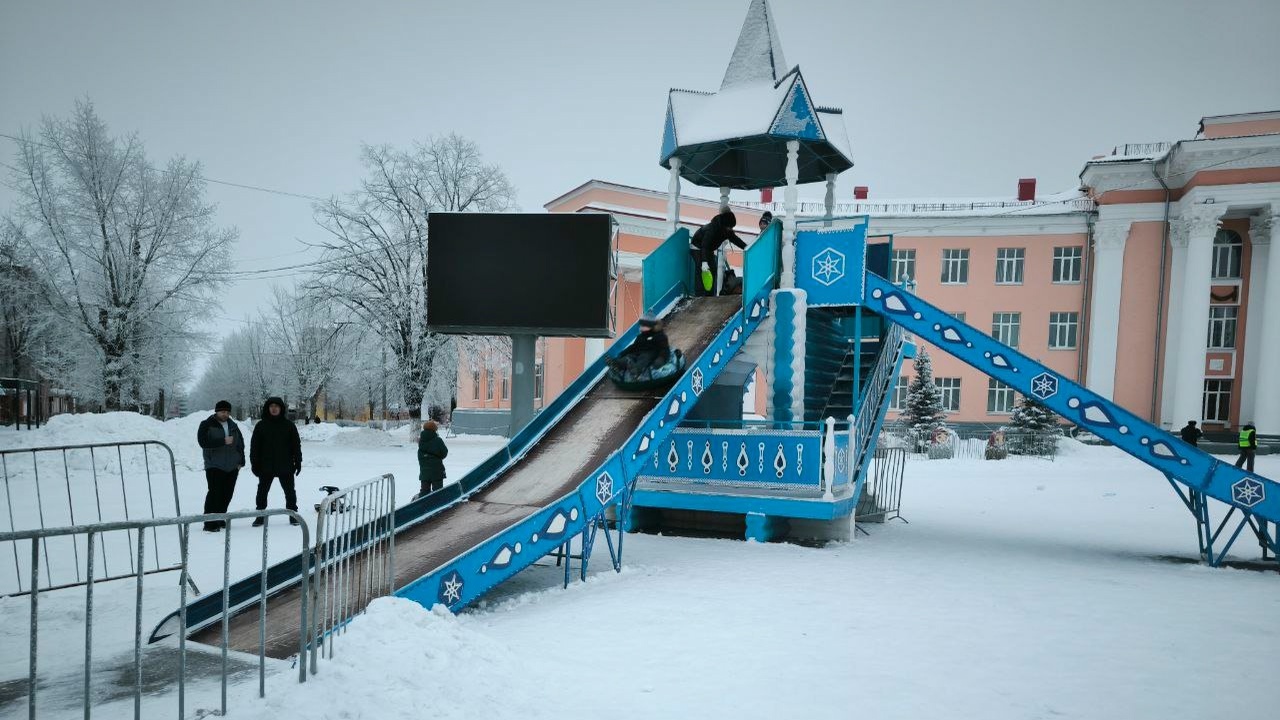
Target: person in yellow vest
(1248,446)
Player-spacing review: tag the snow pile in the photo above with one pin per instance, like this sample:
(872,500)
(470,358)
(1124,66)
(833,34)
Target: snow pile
(403,661)
(112,427)
(367,438)
(319,432)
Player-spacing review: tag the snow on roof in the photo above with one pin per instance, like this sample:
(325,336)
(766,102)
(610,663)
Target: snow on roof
(1135,152)
(1063,203)
(741,111)
(757,57)
(832,121)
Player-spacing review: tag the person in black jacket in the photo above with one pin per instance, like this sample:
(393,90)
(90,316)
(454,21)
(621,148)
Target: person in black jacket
(431,454)
(708,239)
(222,443)
(275,451)
(1191,434)
(651,348)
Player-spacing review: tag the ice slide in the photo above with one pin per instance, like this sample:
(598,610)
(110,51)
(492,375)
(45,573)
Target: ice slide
(555,478)
(1199,471)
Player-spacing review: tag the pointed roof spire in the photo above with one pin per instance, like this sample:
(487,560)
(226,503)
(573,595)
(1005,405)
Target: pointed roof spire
(758,54)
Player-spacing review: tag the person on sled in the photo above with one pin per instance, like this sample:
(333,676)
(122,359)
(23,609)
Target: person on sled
(650,349)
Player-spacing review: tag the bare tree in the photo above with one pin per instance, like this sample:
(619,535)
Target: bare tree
(377,252)
(311,343)
(127,252)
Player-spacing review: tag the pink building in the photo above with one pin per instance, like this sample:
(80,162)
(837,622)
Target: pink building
(1149,283)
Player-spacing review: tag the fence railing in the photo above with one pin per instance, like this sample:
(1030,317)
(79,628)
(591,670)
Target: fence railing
(845,210)
(977,444)
(99,662)
(881,498)
(70,485)
(871,397)
(355,556)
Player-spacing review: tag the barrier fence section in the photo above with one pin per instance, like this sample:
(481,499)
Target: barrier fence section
(354,556)
(70,485)
(136,534)
(881,498)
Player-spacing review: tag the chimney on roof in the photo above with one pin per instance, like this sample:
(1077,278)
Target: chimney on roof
(860,192)
(1026,189)
(766,195)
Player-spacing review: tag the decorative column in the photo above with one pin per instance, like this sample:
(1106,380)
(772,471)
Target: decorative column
(673,198)
(789,312)
(1109,237)
(1267,393)
(724,199)
(1173,325)
(830,201)
(1201,223)
(1259,280)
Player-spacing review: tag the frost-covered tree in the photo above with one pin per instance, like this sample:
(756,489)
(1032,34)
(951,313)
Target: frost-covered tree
(309,341)
(1034,427)
(924,413)
(239,372)
(375,259)
(127,253)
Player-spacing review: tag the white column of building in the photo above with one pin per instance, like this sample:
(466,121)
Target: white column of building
(1109,237)
(1247,391)
(1173,326)
(673,198)
(1267,394)
(829,202)
(724,199)
(1201,225)
(790,203)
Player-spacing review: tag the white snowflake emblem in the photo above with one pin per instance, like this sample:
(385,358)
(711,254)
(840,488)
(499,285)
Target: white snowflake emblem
(697,381)
(1044,386)
(828,266)
(451,588)
(604,488)
(1248,492)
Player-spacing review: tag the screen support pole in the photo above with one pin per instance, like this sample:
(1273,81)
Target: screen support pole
(523,358)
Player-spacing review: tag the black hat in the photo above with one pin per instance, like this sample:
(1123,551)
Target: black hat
(222,405)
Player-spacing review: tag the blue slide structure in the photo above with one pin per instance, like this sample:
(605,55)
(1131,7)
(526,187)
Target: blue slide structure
(1256,498)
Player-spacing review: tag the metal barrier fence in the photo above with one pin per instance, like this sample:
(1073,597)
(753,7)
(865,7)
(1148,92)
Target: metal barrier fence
(124,479)
(881,498)
(354,556)
(135,530)
(979,445)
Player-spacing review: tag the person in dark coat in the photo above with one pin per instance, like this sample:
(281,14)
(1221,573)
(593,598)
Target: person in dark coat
(275,451)
(1248,446)
(1191,434)
(707,241)
(765,219)
(431,454)
(222,443)
(651,348)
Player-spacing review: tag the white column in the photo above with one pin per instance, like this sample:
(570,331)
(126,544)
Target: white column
(724,199)
(1109,237)
(791,204)
(1202,224)
(830,200)
(1260,242)
(673,198)
(1173,325)
(1267,394)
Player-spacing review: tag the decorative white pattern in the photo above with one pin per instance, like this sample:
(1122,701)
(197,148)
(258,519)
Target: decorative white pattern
(1044,386)
(779,462)
(707,458)
(828,266)
(1248,492)
(604,488)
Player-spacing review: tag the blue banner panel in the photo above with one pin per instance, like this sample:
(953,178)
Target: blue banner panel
(789,459)
(831,264)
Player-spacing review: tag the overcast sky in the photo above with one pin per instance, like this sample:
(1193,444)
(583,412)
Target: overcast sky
(940,98)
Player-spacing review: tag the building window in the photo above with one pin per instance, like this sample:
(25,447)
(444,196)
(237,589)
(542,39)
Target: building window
(955,267)
(1066,264)
(1009,265)
(1063,327)
(1227,249)
(898,400)
(904,266)
(959,315)
(475,384)
(950,388)
(488,384)
(1217,401)
(1222,326)
(506,384)
(999,398)
(537,381)
(1005,327)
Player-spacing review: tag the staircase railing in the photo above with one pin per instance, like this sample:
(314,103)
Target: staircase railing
(870,406)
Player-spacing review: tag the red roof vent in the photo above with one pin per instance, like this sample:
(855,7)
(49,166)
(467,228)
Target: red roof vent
(1027,189)
(860,192)
(766,195)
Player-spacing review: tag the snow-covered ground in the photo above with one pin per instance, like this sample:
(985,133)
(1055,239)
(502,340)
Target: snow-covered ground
(1020,589)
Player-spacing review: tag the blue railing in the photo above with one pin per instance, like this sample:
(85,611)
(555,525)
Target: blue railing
(667,269)
(760,263)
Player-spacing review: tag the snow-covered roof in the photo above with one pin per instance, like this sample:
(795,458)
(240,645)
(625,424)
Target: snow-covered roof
(1066,202)
(757,58)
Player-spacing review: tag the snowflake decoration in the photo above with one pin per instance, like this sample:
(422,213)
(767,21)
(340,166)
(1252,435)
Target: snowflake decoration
(828,266)
(604,488)
(1044,386)
(451,588)
(697,381)
(1248,492)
